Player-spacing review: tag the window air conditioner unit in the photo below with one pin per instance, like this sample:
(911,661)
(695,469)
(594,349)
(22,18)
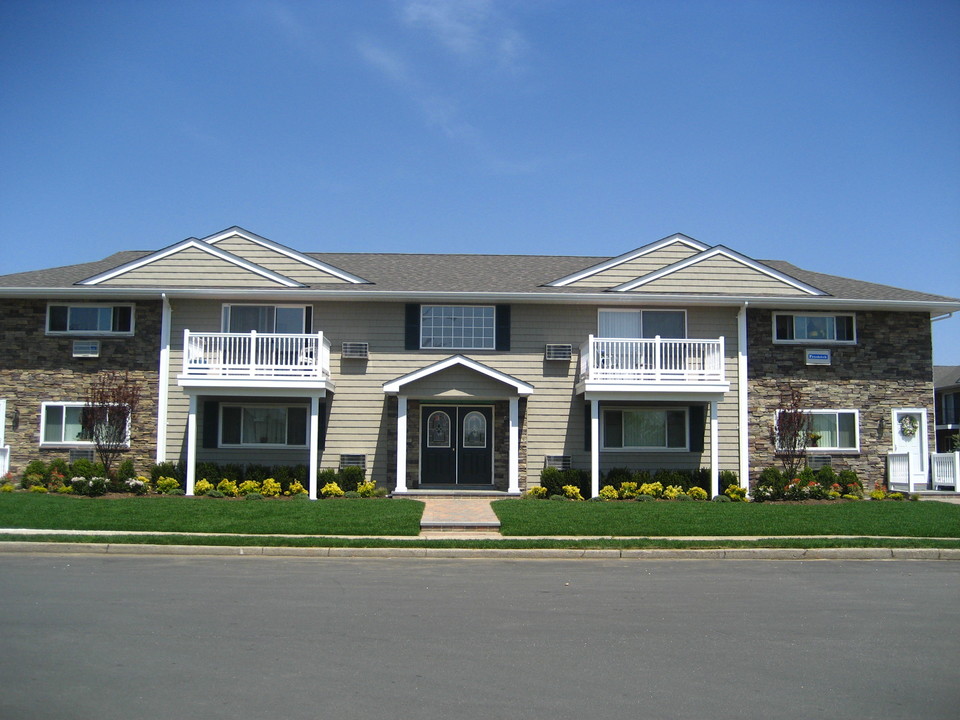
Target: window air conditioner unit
(560,462)
(359,350)
(77,454)
(558,352)
(349,460)
(86,348)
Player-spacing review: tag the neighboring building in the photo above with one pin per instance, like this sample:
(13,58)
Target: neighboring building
(946,387)
(486,367)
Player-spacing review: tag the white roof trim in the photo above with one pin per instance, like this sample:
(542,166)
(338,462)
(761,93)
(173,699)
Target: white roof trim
(198,245)
(283,250)
(394,386)
(627,257)
(728,253)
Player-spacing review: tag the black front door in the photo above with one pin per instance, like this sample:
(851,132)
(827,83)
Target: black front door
(456,445)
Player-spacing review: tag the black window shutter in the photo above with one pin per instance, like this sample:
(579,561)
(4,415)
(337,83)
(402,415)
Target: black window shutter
(698,424)
(308,319)
(211,424)
(322,429)
(503,327)
(412,327)
(587,445)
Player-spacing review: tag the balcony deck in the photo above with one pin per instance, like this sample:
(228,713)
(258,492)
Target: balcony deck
(652,365)
(255,359)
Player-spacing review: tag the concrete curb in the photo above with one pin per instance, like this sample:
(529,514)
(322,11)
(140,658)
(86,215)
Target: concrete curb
(488,553)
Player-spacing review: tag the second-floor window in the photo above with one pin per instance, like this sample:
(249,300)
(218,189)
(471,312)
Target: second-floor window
(294,319)
(460,327)
(642,324)
(813,327)
(90,319)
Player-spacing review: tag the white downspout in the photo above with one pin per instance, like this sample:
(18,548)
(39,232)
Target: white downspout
(742,398)
(163,388)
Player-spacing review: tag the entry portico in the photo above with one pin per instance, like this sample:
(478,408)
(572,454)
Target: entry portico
(455,398)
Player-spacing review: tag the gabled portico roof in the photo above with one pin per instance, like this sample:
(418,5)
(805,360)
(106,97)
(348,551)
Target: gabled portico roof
(396,385)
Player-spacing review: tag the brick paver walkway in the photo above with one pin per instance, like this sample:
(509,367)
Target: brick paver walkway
(458,514)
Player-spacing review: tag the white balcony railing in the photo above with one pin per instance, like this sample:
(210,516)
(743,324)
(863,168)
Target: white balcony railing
(657,360)
(256,355)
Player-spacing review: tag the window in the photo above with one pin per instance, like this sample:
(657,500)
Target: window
(645,429)
(263,425)
(950,409)
(461,327)
(294,319)
(642,323)
(62,424)
(813,327)
(90,319)
(833,430)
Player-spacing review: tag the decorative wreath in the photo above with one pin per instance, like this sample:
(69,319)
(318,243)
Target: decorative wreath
(909,426)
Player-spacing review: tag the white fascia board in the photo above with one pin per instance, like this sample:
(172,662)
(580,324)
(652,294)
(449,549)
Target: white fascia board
(728,253)
(256,386)
(663,392)
(284,250)
(394,386)
(202,247)
(627,257)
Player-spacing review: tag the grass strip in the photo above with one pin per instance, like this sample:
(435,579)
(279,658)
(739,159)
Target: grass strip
(506,543)
(344,516)
(887,518)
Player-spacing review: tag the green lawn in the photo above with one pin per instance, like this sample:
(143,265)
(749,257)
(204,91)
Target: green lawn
(908,519)
(347,516)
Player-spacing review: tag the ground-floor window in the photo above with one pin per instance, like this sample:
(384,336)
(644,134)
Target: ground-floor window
(62,423)
(833,430)
(263,425)
(645,429)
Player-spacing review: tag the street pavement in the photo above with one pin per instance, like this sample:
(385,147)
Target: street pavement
(103,636)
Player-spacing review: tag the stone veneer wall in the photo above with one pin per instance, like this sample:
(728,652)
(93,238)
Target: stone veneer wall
(891,366)
(36,367)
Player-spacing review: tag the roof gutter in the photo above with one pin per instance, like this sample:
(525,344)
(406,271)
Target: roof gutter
(944,307)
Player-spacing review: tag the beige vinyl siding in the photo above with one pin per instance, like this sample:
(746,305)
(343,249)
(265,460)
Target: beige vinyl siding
(276,261)
(720,275)
(638,267)
(191,267)
(554,425)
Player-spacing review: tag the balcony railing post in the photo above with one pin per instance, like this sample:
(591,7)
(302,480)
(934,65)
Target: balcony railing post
(657,360)
(253,352)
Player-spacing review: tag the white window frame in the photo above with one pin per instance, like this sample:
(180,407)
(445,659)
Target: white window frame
(832,411)
(644,448)
(262,406)
(493,336)
(813,341)
(641,311)
(225,314)
(68,443)
(95,333)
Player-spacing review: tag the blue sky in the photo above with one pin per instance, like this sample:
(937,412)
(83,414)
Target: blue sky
(825,133)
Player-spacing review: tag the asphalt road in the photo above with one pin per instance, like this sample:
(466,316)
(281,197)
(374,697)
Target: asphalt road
(172,637)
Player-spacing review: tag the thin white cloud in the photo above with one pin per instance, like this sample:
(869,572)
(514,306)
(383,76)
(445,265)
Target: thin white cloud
(471,29)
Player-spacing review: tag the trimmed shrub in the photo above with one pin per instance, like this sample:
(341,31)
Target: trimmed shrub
(296,489)
(735,493)
(36,467)
(697,493)
(628,490)
(609,492)
(325,476)
(270,488)
(351,494)
(642,477)
(166,485)
(727,478)
(551,479)
(331,490)
(203,487)
(38,489)
(617,476)
(59,466)
(227,487)
(683,497)
(535,493)
(350,477)
(253,495)
(850,484)
(672,492)
(559,498)
(91,487)
(654,489)
(256,473)
(164,469)
(137,485)
(248,486)
(214,494)
(31,480)
(572,492)
(125,470)
(645,498)
(367,489)
(7,488)
(721,499)
(579,478)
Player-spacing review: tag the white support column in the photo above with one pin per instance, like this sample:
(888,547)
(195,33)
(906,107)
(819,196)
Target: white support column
(714,449)
(163,389)
(401,444)
(514,464)
(191,444)
(314,445)
(594,448)
(743,409)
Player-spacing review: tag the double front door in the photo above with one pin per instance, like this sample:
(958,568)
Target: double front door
(456,445)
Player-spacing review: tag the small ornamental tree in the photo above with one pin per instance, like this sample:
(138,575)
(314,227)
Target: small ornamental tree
(111,402)
(790,428)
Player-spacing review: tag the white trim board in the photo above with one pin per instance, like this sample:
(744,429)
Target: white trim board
(396,385)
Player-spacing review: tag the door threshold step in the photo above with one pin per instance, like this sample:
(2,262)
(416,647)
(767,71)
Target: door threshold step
(454,493)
